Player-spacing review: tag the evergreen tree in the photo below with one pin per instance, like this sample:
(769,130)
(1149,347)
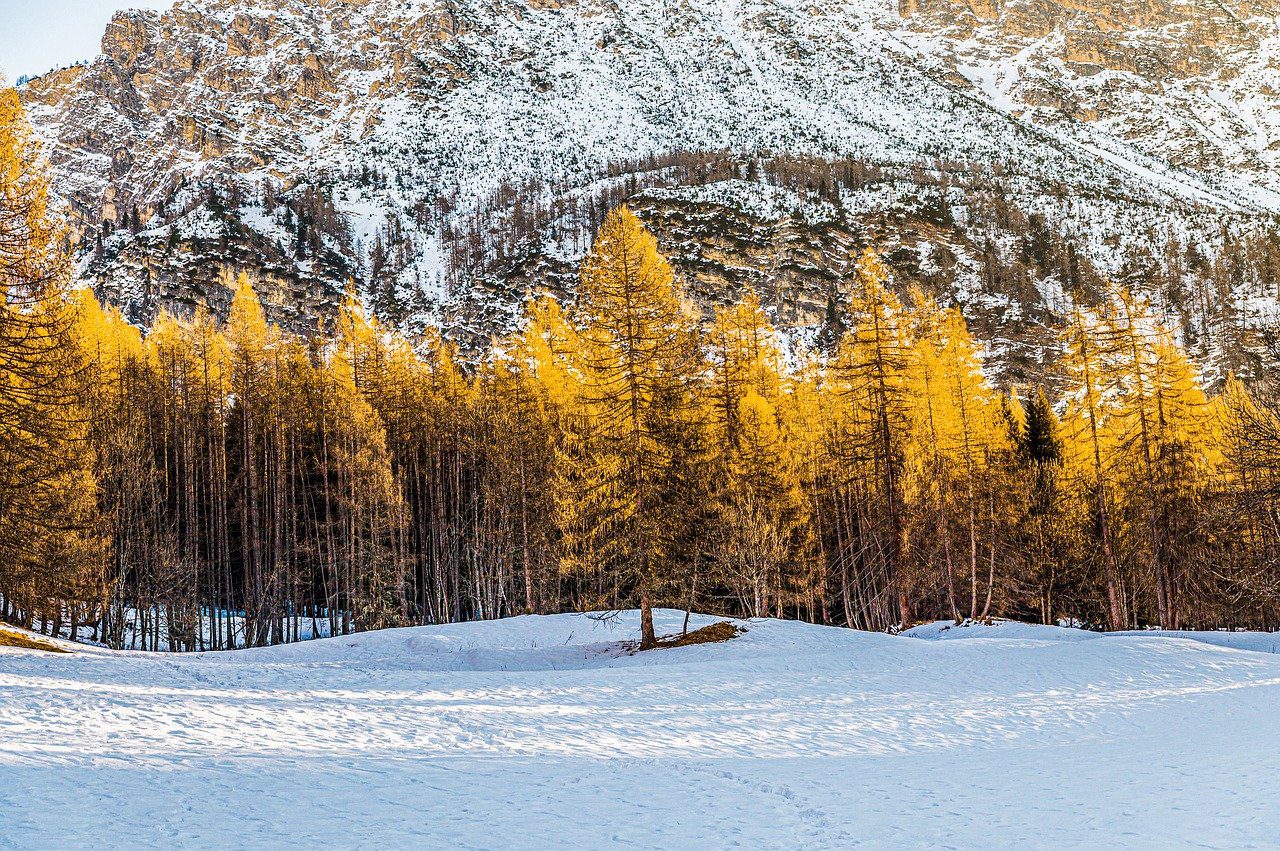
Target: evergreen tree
(1048,528)
(833,327)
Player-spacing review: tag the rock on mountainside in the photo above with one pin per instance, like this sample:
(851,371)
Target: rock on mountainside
(1190,82)
(451,155)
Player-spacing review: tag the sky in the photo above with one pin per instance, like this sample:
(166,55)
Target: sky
(38,35)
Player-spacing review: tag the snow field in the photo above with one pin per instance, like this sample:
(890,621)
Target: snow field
(540,732)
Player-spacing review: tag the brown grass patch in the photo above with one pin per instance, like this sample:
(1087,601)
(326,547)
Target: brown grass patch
(713,634)
(18,639)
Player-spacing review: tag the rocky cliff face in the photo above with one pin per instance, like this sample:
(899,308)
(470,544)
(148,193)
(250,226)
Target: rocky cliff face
(451,155)
(1192,83)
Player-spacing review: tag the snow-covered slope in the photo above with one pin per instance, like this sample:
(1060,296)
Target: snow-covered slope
(451,154)
(543,732)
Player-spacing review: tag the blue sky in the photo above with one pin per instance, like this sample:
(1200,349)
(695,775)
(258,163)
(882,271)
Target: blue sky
(36,35)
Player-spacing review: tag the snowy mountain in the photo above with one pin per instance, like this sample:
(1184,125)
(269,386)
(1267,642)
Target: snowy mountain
(451,155)
(539,732)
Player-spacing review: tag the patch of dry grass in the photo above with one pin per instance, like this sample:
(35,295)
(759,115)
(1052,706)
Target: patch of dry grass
(18,639)
(713,634)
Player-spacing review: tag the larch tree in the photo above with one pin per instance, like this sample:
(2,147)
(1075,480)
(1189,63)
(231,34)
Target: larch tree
(51,549)
(1089,349)
(871,368)
(638,368)
(969,439)
(257,440)
(744,356)
(809,415)
(1163,428)
(1249,517)
(762,512)
(424,404)
(364,503)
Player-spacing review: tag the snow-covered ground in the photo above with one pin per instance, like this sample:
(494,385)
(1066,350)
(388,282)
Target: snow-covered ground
(542,732)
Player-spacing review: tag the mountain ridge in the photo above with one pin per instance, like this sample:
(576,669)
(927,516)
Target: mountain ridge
(440,153)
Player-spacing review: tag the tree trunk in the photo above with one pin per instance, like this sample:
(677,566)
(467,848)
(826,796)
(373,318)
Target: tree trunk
(648,639)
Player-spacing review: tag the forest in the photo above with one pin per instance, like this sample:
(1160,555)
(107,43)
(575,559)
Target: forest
(215,484)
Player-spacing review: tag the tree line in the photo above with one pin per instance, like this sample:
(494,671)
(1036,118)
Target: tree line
(224,484)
